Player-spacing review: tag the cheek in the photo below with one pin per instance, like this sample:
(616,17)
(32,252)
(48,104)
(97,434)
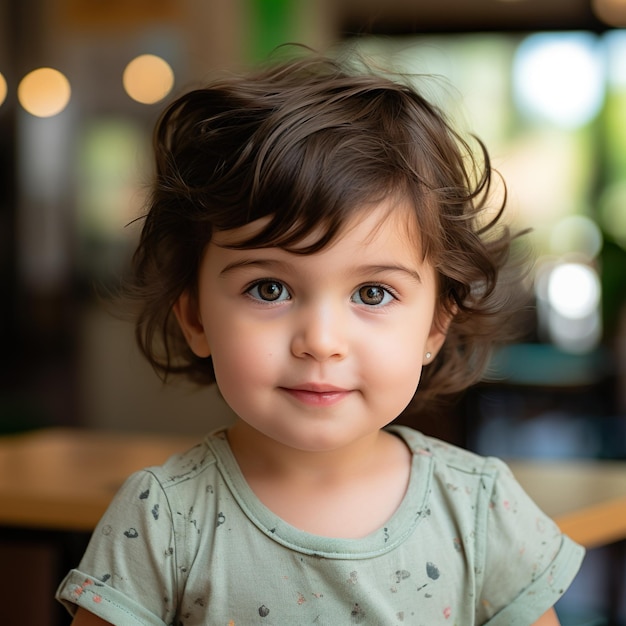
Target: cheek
(243,355)
(396,358)
(398,369)
(394,384)
(246,370)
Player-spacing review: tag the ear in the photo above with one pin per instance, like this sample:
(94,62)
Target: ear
(188,316)
(436,337)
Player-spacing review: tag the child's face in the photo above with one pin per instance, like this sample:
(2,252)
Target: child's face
(316,351)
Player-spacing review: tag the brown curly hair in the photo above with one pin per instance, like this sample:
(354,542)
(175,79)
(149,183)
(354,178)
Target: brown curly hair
(306,143)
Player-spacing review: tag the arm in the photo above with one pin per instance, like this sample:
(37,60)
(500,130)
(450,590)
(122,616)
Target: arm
(548,619)
(129,551)
(545,560)
(85,618)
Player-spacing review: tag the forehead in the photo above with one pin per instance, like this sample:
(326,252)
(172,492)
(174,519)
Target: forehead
(393,219)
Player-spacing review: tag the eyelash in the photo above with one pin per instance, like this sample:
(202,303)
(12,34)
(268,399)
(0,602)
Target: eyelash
(387,291)
(256,285)
(267,281)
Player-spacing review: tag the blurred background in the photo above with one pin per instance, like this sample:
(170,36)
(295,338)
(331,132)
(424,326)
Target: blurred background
(543,83)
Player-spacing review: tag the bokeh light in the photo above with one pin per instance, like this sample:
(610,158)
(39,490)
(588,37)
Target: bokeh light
(148,79)
(612,12)
(576,234)
(574,290)
(568,305)
(3,89)
(615,42)
(559,78)
(44,92)
(576,336)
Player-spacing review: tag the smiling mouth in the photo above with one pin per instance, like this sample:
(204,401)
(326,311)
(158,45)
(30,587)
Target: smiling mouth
(317,396)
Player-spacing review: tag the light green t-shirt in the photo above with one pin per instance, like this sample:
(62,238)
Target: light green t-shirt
(188,544)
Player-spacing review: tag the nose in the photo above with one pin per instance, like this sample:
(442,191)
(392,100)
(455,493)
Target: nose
(321,332)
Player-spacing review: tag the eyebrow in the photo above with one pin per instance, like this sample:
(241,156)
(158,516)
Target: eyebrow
(235,265)
(382,269)
(361,269)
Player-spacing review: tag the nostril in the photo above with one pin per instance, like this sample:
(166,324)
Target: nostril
(319,347)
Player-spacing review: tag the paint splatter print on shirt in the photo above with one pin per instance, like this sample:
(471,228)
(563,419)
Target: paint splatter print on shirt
(188,544)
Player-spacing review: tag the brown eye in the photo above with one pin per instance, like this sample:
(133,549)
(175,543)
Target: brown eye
(372,295)
(269,291)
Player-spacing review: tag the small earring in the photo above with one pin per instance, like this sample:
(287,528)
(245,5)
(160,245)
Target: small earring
(428,355)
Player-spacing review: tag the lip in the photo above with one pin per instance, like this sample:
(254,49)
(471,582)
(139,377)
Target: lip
(316,394)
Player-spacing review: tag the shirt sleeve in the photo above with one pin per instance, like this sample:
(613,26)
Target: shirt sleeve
(129,573)
(527,563)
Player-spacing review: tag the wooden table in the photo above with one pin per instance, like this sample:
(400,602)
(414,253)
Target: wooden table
(586,498)
(63,479)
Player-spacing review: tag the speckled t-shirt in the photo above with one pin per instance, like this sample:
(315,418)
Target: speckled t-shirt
(188,544)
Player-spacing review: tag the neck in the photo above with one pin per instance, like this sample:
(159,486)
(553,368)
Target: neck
(349,492)
(258,454)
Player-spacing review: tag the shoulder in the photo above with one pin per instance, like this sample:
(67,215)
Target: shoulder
(495,523)
(448,459)
(187,466)
(460,484)
(175,485)
(162,507)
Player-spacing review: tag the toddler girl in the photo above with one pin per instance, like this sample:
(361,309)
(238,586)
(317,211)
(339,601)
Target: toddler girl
(319,242)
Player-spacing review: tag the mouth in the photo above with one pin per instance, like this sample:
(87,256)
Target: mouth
(316,395)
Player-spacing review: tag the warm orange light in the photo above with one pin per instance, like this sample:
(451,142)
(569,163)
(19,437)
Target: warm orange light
(611,12)
(3,89)
(148,79)
(44,92)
